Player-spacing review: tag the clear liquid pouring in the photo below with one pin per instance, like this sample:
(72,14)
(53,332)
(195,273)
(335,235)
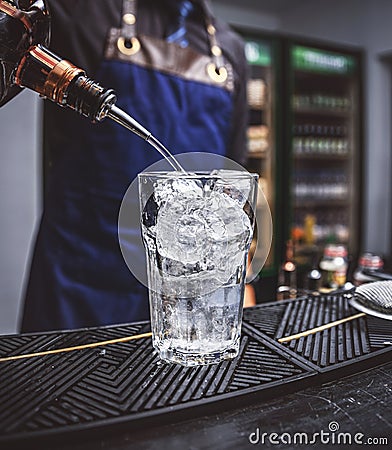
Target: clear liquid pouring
(122,118)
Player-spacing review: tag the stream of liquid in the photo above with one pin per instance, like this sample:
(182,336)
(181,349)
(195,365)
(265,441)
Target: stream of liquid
(119,116)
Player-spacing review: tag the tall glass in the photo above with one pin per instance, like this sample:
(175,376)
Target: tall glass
(197,230)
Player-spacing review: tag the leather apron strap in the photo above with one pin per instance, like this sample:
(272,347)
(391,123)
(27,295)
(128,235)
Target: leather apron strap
(125,45)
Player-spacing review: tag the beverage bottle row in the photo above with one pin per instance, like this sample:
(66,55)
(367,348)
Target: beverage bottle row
(320,139)
(326,225)
(320,129)
(324,232)
(321,101)
(331,185)
(320,146)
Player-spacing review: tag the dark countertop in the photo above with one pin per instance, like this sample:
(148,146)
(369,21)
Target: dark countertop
(359,406)
(330,387)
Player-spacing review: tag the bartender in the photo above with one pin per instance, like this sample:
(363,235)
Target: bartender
(177,70)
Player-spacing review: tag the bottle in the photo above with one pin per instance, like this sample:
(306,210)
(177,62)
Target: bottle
(333,265)
(369,264)
(309,225)
(287,282)
(25,62)
(18,32)
(312,282)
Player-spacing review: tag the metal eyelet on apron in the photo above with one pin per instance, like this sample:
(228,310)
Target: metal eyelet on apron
(128,46)
(127,43)
(217,74)
(216,70)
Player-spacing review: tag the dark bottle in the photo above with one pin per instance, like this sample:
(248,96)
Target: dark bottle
(25,62)
(313,277)
(287,282)
(19,30)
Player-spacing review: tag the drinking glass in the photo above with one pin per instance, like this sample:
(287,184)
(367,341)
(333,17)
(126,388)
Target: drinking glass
(197,229)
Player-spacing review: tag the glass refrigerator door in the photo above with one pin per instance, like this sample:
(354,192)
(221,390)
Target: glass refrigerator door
(262,151)
(325,148)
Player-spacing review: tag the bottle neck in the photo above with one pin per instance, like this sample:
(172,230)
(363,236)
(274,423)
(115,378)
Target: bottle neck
(287,279)
(63,83)
(289,251)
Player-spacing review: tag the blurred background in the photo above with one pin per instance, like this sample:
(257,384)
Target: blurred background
(319,135)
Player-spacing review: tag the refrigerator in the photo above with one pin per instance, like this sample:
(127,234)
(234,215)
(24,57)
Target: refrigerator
(322,151)
(305,142)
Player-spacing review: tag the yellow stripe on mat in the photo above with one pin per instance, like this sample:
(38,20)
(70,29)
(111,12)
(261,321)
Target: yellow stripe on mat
(320,328)
(77,347)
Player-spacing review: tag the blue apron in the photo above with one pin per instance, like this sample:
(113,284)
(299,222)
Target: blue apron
(78,276)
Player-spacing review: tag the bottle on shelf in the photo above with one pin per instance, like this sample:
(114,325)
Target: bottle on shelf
(313,277)
(257,93)
(369,266)
(258,139)
(333,266)
(309,226)
(287,280)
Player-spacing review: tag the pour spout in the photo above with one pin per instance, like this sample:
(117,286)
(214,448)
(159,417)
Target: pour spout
(119,116)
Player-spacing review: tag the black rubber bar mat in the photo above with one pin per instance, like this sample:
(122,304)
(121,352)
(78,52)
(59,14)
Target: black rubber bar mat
(121,384)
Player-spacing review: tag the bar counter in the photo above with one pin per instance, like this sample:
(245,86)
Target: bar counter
(97,388)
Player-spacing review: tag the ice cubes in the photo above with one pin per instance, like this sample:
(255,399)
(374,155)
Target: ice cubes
(165,189)
(240,191)
(201,226)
